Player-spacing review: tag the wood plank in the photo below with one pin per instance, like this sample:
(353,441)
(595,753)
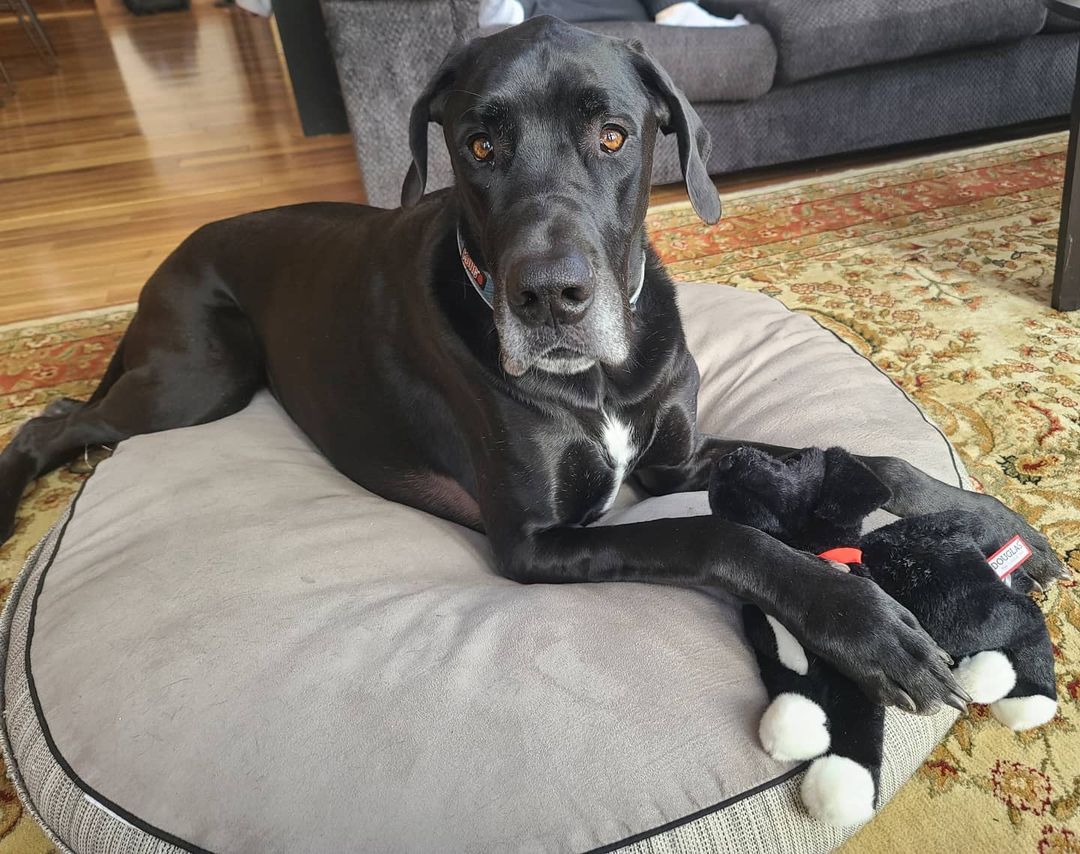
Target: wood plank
(152,126)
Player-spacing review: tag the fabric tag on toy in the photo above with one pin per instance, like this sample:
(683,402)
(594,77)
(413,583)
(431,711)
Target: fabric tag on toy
(1010,557)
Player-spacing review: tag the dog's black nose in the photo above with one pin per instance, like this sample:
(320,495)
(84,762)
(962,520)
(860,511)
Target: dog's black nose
(546,290)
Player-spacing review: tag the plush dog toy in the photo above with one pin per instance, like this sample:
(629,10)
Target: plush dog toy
(938,566)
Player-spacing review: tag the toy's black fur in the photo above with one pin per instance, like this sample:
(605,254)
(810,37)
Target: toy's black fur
(935,565)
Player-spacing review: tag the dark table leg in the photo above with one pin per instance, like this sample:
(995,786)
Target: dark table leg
(1066,295)
(311,66)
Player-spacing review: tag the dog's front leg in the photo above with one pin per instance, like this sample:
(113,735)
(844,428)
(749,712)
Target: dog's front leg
(914,493)
(845,619)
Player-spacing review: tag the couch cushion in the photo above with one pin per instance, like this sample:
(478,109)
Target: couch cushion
(814,38)
(940,95)
(227,645)
(708,64)
(1058,23)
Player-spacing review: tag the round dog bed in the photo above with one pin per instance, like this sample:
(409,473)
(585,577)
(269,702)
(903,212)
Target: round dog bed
(226,645)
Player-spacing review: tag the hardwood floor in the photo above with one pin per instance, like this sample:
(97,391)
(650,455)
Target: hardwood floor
(155,125)
(152,126)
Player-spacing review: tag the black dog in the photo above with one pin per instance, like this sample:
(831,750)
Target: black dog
(520,418)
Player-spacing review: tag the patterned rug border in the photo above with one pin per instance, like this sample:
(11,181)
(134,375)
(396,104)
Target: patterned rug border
(51,319)
(863,172)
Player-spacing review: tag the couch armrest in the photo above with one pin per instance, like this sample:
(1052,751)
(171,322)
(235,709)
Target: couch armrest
(385,52)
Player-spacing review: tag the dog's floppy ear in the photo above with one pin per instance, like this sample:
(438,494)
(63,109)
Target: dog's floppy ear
(675,115)
(427,108)
(849,490)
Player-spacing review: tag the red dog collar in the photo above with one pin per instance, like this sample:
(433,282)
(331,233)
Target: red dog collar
(843,555)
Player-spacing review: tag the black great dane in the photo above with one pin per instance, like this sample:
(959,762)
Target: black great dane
(503,354)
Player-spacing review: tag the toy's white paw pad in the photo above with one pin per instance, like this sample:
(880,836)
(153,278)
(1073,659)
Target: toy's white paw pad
(793,728)
(1020,713)
(838,791)
(986,676)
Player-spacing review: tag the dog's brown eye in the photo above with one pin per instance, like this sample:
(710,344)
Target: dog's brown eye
(612,138)
(481,147)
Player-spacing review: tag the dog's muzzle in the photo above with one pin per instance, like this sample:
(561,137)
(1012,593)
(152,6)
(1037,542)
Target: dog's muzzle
(552,315)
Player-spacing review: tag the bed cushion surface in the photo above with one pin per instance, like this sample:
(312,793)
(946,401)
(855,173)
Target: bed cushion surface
(228,645)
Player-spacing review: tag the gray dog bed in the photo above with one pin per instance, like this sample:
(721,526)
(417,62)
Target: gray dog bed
(227,645)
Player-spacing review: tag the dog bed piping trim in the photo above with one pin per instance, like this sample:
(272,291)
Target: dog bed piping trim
(102,800)
(12,767)
(129,817)
(694,816)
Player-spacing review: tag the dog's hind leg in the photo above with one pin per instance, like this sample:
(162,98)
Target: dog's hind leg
(41,445)
(50,440)
(70,405)
(189,356)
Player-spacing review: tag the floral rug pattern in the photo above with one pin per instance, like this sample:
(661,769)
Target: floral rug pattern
(939,271)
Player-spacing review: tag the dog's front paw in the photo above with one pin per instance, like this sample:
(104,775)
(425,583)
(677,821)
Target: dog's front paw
(1044,566)
(1021,582)
(875,641)
(1000,524)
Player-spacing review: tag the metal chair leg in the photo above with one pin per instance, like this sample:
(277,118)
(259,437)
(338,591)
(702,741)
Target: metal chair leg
(31,25)
(9,84)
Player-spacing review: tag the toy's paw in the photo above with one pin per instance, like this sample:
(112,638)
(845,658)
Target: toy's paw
(838,791)
(1020,713)
(793,728)
(986,676)
(877,643)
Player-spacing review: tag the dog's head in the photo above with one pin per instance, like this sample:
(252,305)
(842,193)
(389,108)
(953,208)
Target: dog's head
(551,131)
(809,496)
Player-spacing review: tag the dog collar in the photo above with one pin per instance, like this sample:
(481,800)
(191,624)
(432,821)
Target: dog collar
(484,284)
(481,281)
(843,555)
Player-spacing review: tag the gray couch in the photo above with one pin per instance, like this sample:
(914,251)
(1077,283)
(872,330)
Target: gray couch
(809,78)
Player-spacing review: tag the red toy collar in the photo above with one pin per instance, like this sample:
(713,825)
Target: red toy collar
(843,555)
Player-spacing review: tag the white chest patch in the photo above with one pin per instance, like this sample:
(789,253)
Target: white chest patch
(619,446)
